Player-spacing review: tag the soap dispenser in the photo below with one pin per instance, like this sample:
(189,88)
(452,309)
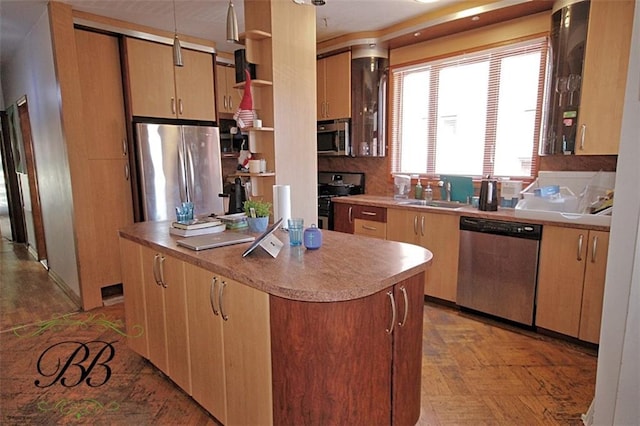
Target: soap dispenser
(418,190)
(428,193)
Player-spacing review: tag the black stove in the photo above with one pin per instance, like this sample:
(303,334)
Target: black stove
(335,184)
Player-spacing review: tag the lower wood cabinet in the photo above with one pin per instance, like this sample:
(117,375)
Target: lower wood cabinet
(352,362)
(440,234)
(571,276)
(230,349)
(165,307)
(134,306)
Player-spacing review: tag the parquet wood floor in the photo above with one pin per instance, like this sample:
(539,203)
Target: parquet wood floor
(475,371)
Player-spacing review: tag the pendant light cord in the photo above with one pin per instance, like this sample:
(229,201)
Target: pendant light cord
(175,24)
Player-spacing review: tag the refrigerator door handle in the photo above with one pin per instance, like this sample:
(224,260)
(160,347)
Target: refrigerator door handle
(191,182)
(182,173)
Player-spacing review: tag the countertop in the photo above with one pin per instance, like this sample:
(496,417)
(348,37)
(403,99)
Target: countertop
(346,267)
(507,214)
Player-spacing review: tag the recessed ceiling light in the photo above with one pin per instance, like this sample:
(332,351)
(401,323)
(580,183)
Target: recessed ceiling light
(426,1)
(475,18)
(416,34)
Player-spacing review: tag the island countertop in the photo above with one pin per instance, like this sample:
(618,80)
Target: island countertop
(346,267)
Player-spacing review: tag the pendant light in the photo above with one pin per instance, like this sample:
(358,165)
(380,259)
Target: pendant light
(177,51)
(232,24)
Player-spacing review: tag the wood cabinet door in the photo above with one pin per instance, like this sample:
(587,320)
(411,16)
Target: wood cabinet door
(102,95)
(407,351)
(343,217)
(225,101)
(154,309)
(133,288)
(604,76)
(338,86)
(175,313)
(560,279)
(151,79)
(195,86)
(332,361)
(441,235)
(114,206)
(247,354)
(320,89)
(403,226)
(593,291)
(206,350)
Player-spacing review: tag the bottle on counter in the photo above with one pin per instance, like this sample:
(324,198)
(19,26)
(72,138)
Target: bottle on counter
(418,190)
(428,193)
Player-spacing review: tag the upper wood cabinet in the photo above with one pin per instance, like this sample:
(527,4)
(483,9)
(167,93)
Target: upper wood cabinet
(604,77)
(571,277)
(334,87)
(159,89)
(228,98)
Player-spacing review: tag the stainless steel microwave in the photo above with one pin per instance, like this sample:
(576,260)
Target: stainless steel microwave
(333,137)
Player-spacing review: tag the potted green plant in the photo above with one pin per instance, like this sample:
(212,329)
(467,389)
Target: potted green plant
(257,212)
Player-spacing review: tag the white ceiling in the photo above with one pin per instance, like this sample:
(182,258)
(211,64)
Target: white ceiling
(207,18)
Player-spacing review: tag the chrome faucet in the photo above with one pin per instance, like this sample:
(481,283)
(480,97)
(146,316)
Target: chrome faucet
(447,188)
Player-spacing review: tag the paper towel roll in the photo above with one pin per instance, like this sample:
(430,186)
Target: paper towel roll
(282,204)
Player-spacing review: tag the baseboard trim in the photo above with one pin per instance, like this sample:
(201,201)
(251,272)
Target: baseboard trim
(65,288)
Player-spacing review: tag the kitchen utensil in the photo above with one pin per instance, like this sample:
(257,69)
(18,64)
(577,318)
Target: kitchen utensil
(488,194)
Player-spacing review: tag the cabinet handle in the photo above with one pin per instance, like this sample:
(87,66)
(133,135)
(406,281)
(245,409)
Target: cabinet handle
(594,249)
(230,104)
(161,267)
(180,108)
(224,102)
(366,213)
(220,304)
(393,311)
(212,295)
(415,225)
(422,226)
(369,228)
(327,110)
(406,307)
(173,105)
(580,239)
(583,130)
(125,149)
(350,214)
(126,172)
(155,268)
(322,109)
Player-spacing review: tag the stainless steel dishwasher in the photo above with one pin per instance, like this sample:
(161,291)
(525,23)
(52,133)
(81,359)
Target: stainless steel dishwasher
(498,268)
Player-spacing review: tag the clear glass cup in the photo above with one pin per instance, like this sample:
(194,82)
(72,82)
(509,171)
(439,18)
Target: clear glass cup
(296,226)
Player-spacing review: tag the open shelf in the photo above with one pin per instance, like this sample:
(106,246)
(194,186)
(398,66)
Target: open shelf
(257,83)
(259,129)
(254,35)
(265,174)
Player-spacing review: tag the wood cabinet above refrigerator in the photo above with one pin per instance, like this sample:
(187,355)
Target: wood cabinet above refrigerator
(160,89)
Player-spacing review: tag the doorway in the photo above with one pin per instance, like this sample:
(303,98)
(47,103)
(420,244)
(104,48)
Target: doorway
(24,196)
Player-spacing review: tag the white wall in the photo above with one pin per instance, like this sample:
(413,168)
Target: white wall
(31,72)
(617,399)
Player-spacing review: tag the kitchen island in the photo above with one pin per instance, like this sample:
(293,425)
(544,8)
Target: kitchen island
(327,336)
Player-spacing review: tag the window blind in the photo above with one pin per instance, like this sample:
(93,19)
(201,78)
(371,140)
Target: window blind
(475,113)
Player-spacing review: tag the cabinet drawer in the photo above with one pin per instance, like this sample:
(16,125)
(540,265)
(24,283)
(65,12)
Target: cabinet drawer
(369,213)
(370,228)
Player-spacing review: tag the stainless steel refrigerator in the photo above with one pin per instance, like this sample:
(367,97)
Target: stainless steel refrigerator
(178,163)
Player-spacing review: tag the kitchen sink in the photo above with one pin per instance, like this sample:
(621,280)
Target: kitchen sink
(434,203)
